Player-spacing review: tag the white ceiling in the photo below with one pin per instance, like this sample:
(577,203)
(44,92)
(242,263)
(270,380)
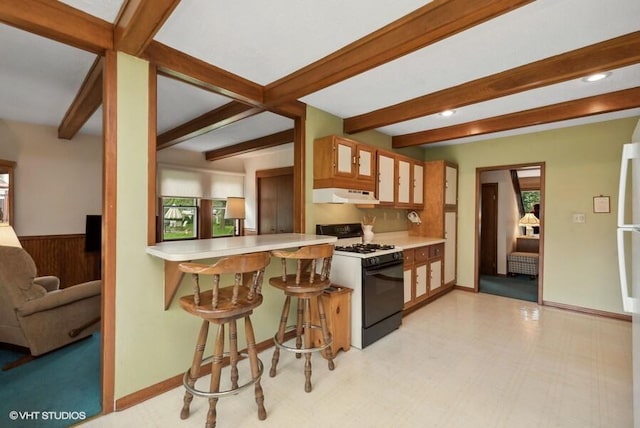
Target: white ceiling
(266,40)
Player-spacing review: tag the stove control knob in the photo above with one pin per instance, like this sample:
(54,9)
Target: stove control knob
(396,256)
(374,261)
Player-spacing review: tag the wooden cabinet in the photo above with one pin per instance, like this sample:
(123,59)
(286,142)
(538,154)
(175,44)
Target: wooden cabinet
(344,163)
(440,212)
(337,307)
(423,273)
(386,178)
(400,181)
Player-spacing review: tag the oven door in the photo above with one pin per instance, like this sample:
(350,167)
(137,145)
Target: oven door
(382,292)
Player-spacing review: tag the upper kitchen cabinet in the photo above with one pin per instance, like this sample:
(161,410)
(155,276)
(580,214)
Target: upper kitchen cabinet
(439,216)
(400,181)
(386,191)
(343,163)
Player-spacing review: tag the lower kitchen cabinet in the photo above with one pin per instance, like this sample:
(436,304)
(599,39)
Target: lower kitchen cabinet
(423,273)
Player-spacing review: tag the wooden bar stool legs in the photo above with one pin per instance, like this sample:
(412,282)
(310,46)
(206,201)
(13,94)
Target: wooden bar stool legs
(303,329)
(222,307)
(217,362)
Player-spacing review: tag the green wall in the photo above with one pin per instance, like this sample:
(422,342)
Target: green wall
(580,265)
(152,344)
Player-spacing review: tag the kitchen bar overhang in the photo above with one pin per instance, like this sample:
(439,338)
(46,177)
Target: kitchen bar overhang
(175,252)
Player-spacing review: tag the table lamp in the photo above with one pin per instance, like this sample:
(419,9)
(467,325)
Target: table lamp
(235,211)
(8,236)
(529,220)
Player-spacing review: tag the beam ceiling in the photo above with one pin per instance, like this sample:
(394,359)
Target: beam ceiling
(272,140)
(608,55)
(614,101)
(85,103)
(435,21)
(60,22)
(214,119)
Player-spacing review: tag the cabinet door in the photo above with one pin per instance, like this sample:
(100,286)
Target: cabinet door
(404,181)
(435,275)
(449,246)
(366,158)
(408,285)
(421,281)
(451,186)
(385,178)
(345,158)
(418,184)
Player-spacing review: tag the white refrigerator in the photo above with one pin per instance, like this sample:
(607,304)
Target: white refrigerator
(629,251)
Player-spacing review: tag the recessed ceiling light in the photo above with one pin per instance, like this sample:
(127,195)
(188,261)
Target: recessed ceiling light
(596,77)
(447,113)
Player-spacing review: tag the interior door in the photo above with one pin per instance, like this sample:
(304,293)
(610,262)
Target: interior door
(489,229)
(275,201)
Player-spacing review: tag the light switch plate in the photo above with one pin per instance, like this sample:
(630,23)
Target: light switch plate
(578,217)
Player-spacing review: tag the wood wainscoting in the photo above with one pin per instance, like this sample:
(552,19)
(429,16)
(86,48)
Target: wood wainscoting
(63,256)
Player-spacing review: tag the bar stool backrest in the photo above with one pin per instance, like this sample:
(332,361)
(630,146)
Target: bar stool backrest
(307,259)
(254,263)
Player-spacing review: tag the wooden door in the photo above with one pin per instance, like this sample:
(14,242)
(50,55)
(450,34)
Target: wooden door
(275,201)
(489,229)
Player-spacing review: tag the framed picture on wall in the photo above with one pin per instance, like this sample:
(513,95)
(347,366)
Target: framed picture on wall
(601,204)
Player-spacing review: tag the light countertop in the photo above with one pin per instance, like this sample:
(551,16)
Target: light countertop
(401,240)
(180,251)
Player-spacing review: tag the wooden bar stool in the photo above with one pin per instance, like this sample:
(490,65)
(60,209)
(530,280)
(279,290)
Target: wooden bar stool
(306,286)
(222,306)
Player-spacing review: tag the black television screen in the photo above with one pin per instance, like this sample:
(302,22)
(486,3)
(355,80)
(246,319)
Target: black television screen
(93,233)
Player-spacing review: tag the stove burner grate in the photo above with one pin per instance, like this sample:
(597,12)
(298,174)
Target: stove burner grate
(363,248)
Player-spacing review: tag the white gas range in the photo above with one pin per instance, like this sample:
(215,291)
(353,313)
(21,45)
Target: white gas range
(374,272)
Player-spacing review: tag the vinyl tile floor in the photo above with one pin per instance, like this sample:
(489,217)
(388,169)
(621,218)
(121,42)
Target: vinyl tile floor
(464,360)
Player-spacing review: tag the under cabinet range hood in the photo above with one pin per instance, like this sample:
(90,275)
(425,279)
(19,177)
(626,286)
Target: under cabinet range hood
(334,195)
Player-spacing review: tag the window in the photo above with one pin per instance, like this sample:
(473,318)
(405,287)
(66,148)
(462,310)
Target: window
(529,199)
(180,219)
(221,226)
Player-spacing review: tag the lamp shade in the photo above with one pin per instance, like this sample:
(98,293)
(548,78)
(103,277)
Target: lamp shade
(235,208)
(529,219)
(8,236)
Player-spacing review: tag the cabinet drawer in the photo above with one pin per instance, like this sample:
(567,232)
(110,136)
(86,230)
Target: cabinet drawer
(422,254)
(436,250)
(408,256)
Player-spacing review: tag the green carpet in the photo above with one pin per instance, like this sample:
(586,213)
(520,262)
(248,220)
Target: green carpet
(58,389)
(516,287)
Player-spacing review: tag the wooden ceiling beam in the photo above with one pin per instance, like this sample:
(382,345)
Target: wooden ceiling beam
(610,54)
(138,22)
(614,101)
(272,140)
(60,22)
(429,24)
(179,65)
(86,102)
(214,119)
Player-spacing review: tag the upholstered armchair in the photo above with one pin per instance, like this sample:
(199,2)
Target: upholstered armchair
(35,313)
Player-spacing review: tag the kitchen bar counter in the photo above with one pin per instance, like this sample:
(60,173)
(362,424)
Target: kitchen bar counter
(182,251)
(175,252)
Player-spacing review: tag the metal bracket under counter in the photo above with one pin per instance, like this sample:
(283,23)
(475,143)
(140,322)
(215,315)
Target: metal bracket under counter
(175,252)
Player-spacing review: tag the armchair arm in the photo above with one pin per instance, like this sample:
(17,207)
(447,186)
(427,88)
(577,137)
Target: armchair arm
(61,297)
(50,283)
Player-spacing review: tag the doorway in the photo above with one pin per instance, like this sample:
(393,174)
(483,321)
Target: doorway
(503,197)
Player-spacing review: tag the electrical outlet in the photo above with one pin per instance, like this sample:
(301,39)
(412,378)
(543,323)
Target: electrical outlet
(578,218)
